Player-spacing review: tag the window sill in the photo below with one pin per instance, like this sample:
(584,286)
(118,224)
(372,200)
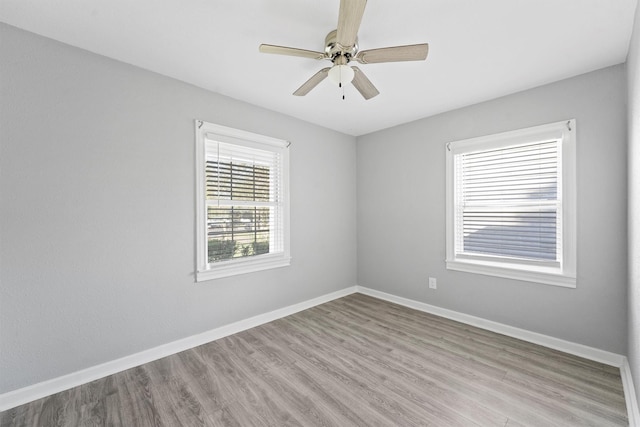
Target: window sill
(233,268)
(527,274)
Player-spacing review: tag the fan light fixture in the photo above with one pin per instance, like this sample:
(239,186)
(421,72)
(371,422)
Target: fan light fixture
(341,47)
(340,74)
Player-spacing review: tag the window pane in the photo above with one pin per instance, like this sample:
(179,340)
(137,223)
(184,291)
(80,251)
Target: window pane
(524,233)
(237,181)
(235,232)
(507,202)
(528,172)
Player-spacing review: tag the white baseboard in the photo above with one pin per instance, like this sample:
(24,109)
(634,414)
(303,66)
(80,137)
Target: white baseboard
(33,392)
(630,396)
(37,391)
(590,353)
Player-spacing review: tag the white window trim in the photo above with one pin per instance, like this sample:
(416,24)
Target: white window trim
(204,270)
(565,274)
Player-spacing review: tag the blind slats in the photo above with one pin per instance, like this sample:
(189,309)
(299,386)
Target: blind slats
(507,202)
(244,201)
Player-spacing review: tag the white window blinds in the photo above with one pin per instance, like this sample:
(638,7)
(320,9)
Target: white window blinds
(244,201)
(511,204)
(507,202)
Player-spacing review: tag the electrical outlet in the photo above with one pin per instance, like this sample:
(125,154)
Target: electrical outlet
(433,283)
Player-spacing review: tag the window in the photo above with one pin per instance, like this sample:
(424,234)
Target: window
(511,204)
(242,203)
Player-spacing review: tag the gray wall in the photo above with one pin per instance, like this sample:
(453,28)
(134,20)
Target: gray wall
(97,211)
(633,78)
(97,221)
(401,212)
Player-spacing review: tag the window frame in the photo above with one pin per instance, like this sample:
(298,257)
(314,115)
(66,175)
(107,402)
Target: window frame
(208,271)
(563,274)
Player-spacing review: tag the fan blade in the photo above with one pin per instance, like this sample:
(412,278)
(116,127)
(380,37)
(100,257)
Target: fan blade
(349,19)
(363,84)
(413,52)
(312,82)
(290,51)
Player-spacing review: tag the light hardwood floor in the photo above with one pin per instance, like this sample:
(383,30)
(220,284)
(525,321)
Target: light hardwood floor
(353,361)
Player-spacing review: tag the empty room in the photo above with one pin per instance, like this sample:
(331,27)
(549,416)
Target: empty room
(336,213)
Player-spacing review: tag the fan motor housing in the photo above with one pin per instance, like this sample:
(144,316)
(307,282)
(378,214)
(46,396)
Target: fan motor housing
(333,49)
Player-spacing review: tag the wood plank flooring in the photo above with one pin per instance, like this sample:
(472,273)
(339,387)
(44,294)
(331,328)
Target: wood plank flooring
(355,361)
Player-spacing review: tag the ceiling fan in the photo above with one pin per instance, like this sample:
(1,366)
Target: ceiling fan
(341,47)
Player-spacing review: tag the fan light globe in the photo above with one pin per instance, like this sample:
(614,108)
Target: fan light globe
(341,74)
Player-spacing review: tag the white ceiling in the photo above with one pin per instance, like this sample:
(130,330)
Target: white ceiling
(479,49)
